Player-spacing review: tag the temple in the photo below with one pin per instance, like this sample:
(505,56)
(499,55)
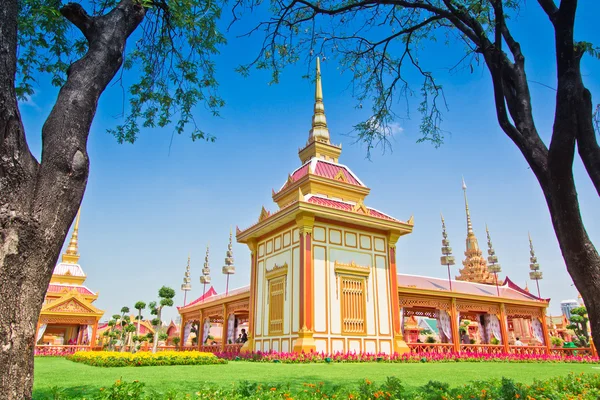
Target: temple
(324,278)
(68,317)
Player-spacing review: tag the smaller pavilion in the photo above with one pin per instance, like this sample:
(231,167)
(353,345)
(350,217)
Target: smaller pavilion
(68,317)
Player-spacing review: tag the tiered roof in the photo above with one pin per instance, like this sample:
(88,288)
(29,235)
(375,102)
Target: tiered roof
(322,186)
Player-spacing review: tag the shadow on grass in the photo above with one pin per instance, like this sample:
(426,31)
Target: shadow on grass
(189,387)
(75,392)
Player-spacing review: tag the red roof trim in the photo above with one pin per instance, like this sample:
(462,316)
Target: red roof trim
(514,286)
(54,288)
(211,292)
(340,205)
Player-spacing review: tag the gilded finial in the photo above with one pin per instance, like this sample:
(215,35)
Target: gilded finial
(229,268)
(205,277)
(71,255)
(187,285)
(535,274)
(319,131)
(493,265)
(447,258)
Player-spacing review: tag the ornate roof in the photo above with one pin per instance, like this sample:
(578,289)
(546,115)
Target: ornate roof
(214,296)
(508,289)
(326,169)
(68,269)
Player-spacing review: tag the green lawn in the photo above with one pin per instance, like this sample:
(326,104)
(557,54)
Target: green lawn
(80,379)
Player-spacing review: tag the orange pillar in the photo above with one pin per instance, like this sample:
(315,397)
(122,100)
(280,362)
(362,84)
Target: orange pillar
(224,328)
(400,345)
(182,331)
(504,328)
(305,342)
(200,331)
(249,345)
(454,325)
(94,334)
(546,333)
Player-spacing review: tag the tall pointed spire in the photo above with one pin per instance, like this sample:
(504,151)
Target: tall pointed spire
(474,265)
(319,131)
(469,224)
(447,258)
(535,274)
(186,286)
(205,277)
(493,265)
(229,268)
(71,255)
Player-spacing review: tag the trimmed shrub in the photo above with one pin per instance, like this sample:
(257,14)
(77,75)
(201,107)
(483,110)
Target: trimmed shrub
(143,359)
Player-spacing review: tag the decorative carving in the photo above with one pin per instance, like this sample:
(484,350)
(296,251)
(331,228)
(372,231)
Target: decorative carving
(413,302)
(480,307)
(410,312)
(341,176)
(352,269)
(276,272)
(58,319)
(264,214)
(71,306)
(523,312)
(360,208)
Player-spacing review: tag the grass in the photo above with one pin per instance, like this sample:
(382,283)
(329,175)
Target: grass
(79,379)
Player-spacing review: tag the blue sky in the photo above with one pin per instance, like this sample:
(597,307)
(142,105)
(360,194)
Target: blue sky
(150,204)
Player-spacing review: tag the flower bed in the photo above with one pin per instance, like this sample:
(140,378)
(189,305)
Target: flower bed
(142,359)
(313,357)
(582,386)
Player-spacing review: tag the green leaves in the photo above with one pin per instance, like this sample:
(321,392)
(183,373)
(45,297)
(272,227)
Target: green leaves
(168,68)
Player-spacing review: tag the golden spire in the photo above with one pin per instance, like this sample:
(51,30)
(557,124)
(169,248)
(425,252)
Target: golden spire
(319,131)
(469,225)
(475,266)
(71,255)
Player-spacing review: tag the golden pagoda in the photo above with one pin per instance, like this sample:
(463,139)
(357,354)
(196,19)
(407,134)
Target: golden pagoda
(68,317)
(474,265)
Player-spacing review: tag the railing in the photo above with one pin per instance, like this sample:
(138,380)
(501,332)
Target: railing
(442,348)
(233,348)
(481,348)
(571,351)
(51,350)
(528,350)
(211,348)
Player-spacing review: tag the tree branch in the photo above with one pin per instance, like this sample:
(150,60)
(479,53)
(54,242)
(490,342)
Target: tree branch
(77,15)
(549,8)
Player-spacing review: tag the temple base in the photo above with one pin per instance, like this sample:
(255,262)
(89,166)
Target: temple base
(400,345)
(305,342)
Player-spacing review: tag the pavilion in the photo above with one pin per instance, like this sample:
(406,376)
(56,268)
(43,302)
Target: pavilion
(324,277)
(68,317)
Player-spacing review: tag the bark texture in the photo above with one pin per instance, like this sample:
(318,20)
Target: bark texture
(39,200)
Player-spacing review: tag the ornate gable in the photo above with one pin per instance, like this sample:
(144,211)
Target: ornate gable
(71,303)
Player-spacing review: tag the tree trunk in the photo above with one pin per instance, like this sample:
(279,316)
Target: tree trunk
(38,201)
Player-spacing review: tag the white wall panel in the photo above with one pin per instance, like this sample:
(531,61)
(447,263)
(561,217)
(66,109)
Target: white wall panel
(383,301)
(320,289)
(260,303)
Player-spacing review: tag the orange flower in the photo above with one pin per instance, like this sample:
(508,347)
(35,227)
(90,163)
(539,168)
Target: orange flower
(273,389)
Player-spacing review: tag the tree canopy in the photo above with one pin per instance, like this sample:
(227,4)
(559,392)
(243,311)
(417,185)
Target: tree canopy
(168,67)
